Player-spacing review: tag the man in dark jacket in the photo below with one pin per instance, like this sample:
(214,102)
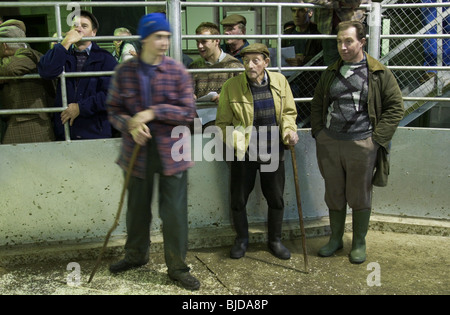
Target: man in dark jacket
(234,24)
(305,49)
(303,82)
(86,96)
(356,109)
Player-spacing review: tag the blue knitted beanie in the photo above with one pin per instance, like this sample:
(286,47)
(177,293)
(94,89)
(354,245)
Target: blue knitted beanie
(153,22)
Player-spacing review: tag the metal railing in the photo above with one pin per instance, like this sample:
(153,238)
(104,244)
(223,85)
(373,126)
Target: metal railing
(174,8)
(57,7)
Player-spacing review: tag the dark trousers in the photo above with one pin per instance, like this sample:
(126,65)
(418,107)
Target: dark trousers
(242,182)
(172,210)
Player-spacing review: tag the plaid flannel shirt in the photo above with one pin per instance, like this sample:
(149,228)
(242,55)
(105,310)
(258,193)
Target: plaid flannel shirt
(172,103)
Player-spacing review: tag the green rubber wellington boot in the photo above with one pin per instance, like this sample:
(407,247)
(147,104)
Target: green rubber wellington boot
(337,225)
(360,226)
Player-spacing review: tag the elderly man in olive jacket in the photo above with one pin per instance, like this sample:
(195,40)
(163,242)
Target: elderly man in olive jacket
(355,111)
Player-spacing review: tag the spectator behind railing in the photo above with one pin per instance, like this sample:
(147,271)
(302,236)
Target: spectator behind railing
(307,48)
(430,46)
(86,96)
(329,16)
(211,56)
(234,24)
(17,59)
(124,49)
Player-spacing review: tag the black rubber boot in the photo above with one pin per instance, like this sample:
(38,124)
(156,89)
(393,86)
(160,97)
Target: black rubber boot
(239,248)
(275,222)
(241,227)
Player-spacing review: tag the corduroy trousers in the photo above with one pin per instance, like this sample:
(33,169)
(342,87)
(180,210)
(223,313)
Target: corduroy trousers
(347,168)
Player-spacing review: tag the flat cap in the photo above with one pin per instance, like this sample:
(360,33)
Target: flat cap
(256,48)
(13,22)
(234,19)
(12,32)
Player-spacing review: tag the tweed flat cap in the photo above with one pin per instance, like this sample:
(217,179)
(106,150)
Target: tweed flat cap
(12,32)
(234,19)
(16,23)
(256,48)
(12,28)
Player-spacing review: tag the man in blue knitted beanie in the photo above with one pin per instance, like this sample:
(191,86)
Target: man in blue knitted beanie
(151,23)
(150,95)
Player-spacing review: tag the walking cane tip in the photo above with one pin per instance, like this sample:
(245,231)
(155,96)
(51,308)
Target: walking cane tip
(306,267)
(91,277)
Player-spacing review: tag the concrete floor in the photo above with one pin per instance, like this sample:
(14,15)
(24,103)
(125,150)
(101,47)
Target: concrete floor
(397,263)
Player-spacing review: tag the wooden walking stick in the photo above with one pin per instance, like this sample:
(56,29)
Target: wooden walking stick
(299,206)
(122,197)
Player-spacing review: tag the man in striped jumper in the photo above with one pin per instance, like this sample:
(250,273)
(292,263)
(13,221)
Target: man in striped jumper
(355,112)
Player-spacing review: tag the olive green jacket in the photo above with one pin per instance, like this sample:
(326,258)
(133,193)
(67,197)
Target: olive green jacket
(236,108)
(385,106)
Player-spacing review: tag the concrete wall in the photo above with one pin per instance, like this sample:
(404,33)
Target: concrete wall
(69,192)
(420,175)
